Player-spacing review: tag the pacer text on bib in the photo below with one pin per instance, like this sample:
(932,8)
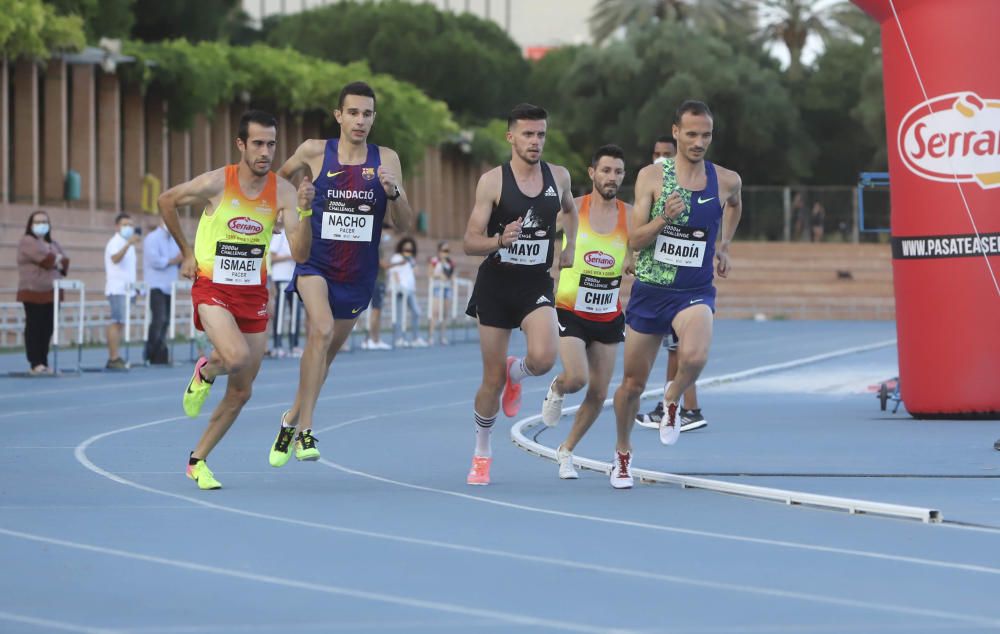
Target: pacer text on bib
(526,252)
(343,223)
(598,294)
(237,264)
(681,246)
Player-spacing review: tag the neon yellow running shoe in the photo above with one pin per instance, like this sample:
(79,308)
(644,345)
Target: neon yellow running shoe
(200,473)
(305,446)
(197,390)
(281,449)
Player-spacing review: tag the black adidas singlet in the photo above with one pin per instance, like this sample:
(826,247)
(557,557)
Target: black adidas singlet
(532,251)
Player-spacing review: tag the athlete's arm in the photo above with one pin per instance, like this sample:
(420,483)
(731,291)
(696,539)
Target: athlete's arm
(643,230)
(390,174)
(303,161)
(197,192)
(628,265)
(476,242)
(731,213)
(297,230)
(569,214)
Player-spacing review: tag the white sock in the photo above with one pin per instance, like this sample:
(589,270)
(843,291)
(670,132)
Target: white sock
(519,370)
(484,430)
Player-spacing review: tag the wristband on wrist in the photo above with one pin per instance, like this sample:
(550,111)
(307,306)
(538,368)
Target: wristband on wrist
(500,240)
(396,196)
(304,213)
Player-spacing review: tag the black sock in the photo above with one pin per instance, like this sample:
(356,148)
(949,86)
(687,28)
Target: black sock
(192,460)
(202,376)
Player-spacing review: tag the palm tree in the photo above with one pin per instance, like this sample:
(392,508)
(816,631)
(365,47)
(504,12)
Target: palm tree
(791,22)
(721,16)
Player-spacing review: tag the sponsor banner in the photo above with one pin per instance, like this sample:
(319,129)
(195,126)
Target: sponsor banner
(955,246)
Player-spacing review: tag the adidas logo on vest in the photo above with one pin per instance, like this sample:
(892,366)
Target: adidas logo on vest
(550,191)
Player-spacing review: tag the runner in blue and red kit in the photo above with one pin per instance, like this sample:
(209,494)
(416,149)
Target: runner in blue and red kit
(356,184)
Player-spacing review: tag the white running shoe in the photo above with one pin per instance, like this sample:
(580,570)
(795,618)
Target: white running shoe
(621,471)
(367,344)
(552,406)
(402,343)
(565,459)
(670,426)
(419,342)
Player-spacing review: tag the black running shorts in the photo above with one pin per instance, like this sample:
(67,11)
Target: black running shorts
(573,325)
(502,298)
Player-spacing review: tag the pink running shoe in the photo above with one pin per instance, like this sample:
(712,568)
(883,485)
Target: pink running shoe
(479,474)
(511,398)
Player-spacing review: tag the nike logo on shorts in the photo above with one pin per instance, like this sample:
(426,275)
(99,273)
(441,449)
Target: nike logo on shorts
(355,311)
(695,301)
(561,327)
(702,202)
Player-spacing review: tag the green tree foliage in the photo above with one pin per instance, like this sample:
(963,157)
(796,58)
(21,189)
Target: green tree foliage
(101,18)
(197,77)
(29,28)
(829,99)
(195,20)
(730,17)
(791,22)
(467,62)
(626,93)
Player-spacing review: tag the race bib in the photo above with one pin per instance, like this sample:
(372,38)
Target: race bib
(598,294)
(238,264)
(525,252)
(352,227)
(681,246)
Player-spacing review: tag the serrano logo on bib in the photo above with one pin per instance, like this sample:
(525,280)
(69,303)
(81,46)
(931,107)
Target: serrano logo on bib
(246,226)
(698,233)
(599,259)
(364,208)
(953,137)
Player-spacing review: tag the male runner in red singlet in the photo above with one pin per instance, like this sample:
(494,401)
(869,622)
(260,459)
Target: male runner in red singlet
(228,265)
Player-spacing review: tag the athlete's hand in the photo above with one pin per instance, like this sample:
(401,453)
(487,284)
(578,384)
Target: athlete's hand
(189,267)
(511,233)
(675,205)
(388,180)
(306,193)
(722,262)
(566,256)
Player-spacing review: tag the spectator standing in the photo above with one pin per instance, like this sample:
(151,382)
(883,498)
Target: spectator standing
(442,272)
(161,259)
(402,271)
(119,271)
(40,262)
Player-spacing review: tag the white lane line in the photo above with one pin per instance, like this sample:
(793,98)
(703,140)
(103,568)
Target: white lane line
(867,554)
(380,597)
(52,624)
(381,625)
(825,599)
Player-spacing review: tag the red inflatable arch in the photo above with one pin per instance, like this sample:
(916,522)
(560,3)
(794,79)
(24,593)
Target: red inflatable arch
(942,105)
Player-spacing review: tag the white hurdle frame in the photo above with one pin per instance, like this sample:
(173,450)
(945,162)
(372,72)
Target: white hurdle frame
(131,289)
(927,515)
(180,285)
(67,285)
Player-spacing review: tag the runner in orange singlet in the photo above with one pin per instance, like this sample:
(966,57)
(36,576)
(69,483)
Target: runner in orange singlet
(591,324)
(241,203)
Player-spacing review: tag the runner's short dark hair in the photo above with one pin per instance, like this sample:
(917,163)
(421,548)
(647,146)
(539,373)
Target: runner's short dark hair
(665,138)
(611,150)
(694,107)
(357,88)
(261,118)
(526,112)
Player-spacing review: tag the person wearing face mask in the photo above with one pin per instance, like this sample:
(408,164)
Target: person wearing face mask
(40,262)
(119,270)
